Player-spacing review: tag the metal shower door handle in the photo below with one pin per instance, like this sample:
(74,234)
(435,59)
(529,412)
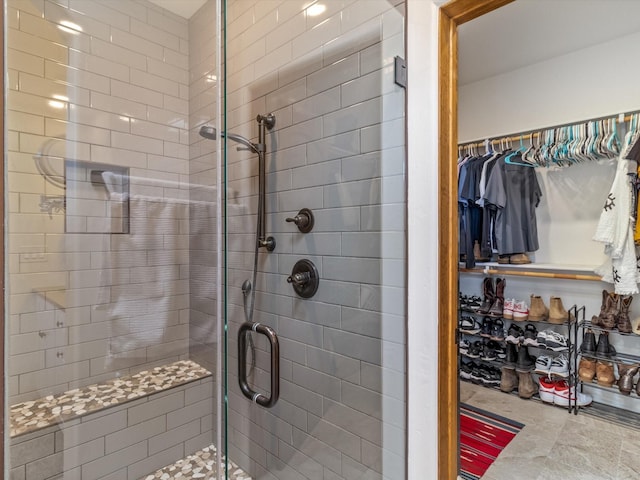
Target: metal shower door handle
(252,395)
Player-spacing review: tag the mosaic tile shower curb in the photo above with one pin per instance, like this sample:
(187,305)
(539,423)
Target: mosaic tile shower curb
(200,465)
(33,415)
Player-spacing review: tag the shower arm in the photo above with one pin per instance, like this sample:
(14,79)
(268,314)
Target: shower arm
(265,122)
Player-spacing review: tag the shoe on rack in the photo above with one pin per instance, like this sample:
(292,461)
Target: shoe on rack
(463,346)
(608,310)
(556,341)
(547,390)
(530,335)
(538,311)
(587,369)
(565,395)
(500,351)
(623,323)
(588,346)
(497,330)
(475,350)
(603,348)
(511,356)
(508,380)
(527,388)
(507,312)
(497,308)
(474,302)
(514,334)
(541,338)
(476,373)
(604,373)
(477,254)
(626,372)
(543,365)
(525,362)
(520,311)
(488,295)
(466,369)
(557,312)
(469,325)
(487,327)
(560,366)
(519,259)
(489,351)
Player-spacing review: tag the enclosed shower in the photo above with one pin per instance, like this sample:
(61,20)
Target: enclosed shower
(205,242)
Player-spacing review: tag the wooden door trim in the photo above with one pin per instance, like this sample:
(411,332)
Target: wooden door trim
(451,14)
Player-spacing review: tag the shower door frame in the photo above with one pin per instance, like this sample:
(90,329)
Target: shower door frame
(450,15)
(2,258)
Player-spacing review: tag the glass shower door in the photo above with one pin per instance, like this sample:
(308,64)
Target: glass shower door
(333,196)
(112,218)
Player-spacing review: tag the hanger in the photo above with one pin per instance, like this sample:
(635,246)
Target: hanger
(508,158)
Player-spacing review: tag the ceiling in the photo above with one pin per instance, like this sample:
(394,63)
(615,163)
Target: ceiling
(184,8)
(526,32)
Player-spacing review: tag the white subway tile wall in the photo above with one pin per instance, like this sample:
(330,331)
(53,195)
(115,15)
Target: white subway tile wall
(107,83)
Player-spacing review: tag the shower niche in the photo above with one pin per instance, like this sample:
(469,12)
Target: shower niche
(96,198)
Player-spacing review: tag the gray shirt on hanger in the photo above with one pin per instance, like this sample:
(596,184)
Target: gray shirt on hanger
(515,191)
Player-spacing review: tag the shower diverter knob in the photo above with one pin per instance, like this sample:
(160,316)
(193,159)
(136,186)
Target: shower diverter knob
(304,220)
(304,278)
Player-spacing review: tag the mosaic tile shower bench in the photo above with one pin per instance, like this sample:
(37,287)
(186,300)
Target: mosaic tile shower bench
(33,415)
(125,428)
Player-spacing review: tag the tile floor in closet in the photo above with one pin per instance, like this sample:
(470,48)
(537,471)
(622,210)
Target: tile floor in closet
(554,445)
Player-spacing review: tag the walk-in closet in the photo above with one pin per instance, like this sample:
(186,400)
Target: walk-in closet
(549,317)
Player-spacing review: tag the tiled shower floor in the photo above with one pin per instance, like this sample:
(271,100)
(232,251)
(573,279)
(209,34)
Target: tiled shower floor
(200,465)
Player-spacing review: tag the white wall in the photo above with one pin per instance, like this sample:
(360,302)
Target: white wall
(592,82)
(422,233)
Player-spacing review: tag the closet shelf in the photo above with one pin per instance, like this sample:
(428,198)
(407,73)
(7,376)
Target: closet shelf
(539,270)
(595,328)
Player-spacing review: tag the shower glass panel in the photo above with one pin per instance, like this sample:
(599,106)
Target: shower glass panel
(155,210)
(325,70)
(112,257)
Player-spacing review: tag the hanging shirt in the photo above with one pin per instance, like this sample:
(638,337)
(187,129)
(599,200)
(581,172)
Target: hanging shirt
(515,191)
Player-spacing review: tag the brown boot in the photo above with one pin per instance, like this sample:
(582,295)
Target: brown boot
(587,369)
(526,386)
(497,308)
(557,312)
(608,310)
(623,323)
(604,373)
(625,382)
(538,310)
(508,380)
(488,295)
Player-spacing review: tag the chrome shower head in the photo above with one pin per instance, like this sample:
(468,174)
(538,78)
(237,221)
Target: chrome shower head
(209,132)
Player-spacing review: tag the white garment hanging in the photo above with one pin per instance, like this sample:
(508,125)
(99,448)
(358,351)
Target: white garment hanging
(615,230)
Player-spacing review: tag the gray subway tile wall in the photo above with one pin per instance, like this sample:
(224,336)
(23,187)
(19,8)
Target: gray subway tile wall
(143,83)
(340,152)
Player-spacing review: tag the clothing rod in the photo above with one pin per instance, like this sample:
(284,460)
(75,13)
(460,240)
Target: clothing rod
(519,273)
(514,137)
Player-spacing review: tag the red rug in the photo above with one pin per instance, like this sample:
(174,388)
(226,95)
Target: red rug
(483,435)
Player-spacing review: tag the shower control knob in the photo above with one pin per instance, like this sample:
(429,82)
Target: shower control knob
(304,278)
(303,220)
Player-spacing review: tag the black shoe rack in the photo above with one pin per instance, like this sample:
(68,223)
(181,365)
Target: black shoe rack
(569,329)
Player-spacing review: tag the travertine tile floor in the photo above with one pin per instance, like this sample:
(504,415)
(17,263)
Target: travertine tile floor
(555,445)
